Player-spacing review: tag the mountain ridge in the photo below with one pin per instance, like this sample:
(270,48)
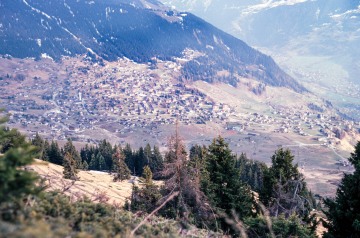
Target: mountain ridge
(141,31)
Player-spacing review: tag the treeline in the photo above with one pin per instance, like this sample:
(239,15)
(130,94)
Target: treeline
(101,157)
(209,187)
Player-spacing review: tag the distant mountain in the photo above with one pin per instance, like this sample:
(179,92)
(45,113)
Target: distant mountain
(139,30)
(316,41)
(318,27)
(273,22)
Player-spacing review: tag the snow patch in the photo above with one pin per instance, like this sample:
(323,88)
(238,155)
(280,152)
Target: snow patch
(38,41)
(220,42)
(215,39)
(196,32)
(68,7)
(36,10)
(210,47)
(98,172)
(96,30)
(107,13)
(46,56)
(346,14)
(76,38)
(122,11)
(267,4)
(90,50)
(47,27)
(67,51)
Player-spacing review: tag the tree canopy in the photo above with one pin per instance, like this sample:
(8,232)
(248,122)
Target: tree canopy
(343,212)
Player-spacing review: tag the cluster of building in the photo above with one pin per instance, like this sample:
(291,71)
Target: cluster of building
(126,94)
(325,128)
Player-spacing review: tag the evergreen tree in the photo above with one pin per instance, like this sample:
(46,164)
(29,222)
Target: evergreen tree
(129,158)
(343,213)
(85,165)
(45,151)
(70,148)
(251,172)
(70,170)
(37,141)
(120,169)
(16,183)
(285,190)
(106,150)
(140,161)
(156,162)
(281,227)
(54,154)
(10,138)
(94,163)
(102,166)
(147,175)
(40,144)
(145,198)
(223,186)
(85,153)
(147,154)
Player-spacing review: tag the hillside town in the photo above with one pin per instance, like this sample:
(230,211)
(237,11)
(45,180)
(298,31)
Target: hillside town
(125,96)
(63,106)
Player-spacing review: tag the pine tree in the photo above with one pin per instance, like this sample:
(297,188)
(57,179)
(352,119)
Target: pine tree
(54,154)
(10,138)
(94,163)
(106,151)
(223,186)
(85,154)
(70,170)
(140,161)
(16,183)
(120,169)
(45,151)
(343,213)
(85,165)
(145,198)
(40,144)
(101,162)
(156,162)
(285,190)
(147,154)
(129,158)
(70,148)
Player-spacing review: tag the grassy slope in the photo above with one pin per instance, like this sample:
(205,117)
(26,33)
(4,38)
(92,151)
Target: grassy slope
(90,183)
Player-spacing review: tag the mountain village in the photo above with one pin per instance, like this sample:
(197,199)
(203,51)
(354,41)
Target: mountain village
(125,95)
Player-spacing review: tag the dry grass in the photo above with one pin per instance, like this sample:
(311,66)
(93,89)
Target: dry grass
(94,184)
